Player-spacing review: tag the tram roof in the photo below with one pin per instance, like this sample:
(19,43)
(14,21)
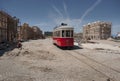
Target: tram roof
(63,27)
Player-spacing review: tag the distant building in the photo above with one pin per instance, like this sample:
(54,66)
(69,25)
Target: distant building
(19,33)
(118,35)
(78,36)
(48,33)
(37,32)
(8,27)
(97,30)
(25,32)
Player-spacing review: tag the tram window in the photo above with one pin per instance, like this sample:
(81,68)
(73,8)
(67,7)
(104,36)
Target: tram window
(58,33)
(67,33)
(55,33)
(63,33)
(71,33)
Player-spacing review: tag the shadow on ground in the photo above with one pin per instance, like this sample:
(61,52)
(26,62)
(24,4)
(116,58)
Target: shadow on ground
(70,48)
(76,47)
(6,49)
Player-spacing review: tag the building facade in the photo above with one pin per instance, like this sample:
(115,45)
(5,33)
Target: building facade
(25,32)
(37,32)
(8,27)
(12,25)
(97,30)
(3,26)
(48,34)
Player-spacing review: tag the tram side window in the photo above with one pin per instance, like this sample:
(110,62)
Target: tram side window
(54,33)
(67,33)
(63,33)
(58,33)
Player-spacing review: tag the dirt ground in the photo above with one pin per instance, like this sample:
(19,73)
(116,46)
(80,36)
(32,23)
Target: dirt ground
(40,60)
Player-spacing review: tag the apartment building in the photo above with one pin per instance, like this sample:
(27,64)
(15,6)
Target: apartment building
(97,30)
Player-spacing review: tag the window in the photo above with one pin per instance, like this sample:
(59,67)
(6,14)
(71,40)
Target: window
(63,33)
(67,33)
(71,33)
(57,33)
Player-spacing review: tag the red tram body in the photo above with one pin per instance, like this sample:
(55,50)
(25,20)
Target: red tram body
(63,36)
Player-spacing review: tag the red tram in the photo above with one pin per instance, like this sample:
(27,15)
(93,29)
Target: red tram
(63,36)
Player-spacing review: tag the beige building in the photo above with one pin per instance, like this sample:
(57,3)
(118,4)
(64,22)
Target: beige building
(97,30)
(25,32)
(37,32)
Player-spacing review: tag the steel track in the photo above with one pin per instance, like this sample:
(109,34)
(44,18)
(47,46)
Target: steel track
(111,79)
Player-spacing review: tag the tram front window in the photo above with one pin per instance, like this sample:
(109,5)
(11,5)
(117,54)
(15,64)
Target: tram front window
(63,33)
(67,33)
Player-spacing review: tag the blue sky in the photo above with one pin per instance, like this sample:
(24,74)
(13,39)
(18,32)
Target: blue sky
(49,13)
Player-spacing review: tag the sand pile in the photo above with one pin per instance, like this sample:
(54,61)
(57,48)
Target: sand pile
(40,54)
(110,39)
(42,69)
